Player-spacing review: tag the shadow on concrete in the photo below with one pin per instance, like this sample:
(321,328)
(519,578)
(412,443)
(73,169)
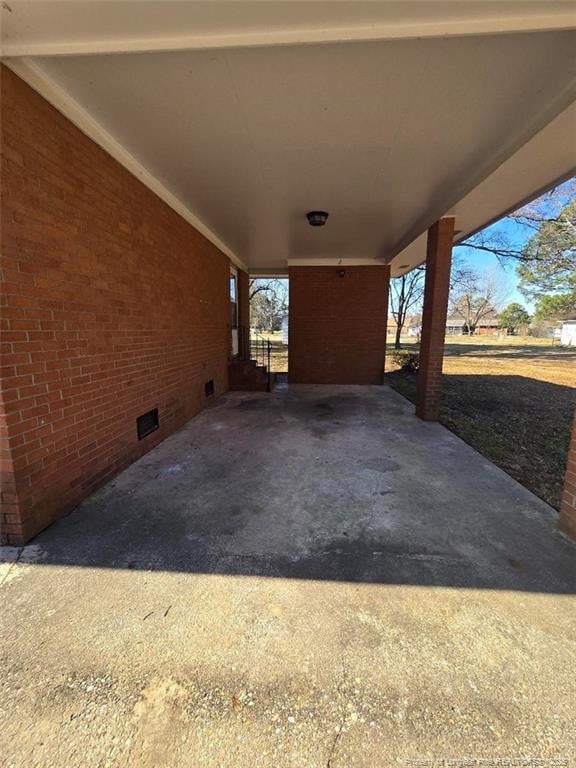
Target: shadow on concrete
(536,352)
(327,483)
(511,352)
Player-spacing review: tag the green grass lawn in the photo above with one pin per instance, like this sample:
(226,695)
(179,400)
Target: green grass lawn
(512,399)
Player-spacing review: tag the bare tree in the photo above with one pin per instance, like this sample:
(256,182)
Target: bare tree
(460,273)
(268,302)
(259,285)
(552,208)
(407,292)
(476,297)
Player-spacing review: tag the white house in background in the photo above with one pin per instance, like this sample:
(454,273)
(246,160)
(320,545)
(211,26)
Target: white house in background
(568,333)
(285,329)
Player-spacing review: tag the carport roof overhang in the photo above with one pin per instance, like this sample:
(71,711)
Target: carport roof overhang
(243,116)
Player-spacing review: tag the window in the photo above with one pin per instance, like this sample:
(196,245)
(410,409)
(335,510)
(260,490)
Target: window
(233,301)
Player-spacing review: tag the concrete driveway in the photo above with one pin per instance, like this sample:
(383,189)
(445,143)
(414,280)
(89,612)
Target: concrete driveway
(307,579)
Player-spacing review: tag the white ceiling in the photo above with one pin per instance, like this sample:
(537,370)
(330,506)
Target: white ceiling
(548,158)
(386,135)
(37,27)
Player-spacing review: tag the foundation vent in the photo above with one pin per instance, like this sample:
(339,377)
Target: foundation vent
(209,388)
(147,423)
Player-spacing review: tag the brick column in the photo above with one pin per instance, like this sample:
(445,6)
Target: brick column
(243,314)
(437,286)
(568,503)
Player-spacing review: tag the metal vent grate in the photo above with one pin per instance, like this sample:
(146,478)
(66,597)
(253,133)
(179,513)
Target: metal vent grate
(209,388)
(147,423)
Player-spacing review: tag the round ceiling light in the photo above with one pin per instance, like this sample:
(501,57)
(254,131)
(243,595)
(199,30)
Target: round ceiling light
(317,218)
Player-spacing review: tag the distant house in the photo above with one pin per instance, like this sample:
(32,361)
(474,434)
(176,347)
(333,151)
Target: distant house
(568,333)
(411,325)
(285,329)
(415,327)
(488,326)
(455,326)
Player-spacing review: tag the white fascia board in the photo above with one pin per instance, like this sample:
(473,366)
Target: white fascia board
(520,22)
(37,79)
(335,262)
(268,272)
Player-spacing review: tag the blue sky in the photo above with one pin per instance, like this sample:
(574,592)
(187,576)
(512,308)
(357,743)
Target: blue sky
(517,235)
(481,261)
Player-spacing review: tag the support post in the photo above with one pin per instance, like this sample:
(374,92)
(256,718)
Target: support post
(568,503)
(436,290)
(243,315)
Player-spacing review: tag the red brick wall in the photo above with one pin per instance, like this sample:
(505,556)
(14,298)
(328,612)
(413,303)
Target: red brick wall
(568,504)
(491,331)
(337,324)
(113,305)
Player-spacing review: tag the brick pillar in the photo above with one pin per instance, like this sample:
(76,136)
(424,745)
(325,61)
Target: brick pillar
(568,503)
(243,314)
(11,519)
(437,286)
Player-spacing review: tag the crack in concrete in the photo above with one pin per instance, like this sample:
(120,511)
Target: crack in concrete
(343,717)
(334,743)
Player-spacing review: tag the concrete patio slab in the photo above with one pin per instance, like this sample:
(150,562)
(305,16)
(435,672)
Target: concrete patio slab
(308,578)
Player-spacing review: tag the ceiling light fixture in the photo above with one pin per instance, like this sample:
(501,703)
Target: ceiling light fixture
(317,218)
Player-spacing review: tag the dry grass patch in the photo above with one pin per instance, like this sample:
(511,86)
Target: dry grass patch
(279,352)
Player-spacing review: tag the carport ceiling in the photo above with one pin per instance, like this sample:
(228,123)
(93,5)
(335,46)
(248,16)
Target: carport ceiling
(385,135)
